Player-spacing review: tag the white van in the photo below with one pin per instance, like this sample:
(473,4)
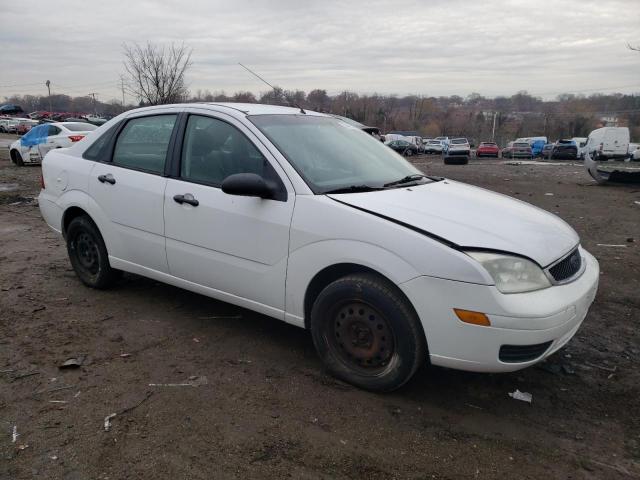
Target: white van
(608,142)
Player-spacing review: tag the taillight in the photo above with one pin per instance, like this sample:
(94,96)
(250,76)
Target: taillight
(41,180)
(76,138)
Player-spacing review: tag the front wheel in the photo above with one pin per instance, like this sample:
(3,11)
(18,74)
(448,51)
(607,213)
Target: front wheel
(17,158)
(409,153)
(367,333)
(88,254)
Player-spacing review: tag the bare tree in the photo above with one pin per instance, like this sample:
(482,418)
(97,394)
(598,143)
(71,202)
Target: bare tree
(156,72)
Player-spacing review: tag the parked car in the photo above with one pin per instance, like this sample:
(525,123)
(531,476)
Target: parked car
(10,109)
(8,125)
(433,146)
(32,147)
(546,150)
(25,125)
(517,150)
(294,216)
(488,149)
(608,143)
(564,149)
(403,147)
(459,146)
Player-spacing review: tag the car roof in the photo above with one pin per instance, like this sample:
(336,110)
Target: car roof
(234,108)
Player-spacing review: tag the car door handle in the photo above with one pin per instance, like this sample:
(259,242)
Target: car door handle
(186,198)
(106,178)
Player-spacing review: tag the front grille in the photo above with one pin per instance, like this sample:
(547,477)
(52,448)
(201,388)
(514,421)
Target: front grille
(567,267)
(522,353)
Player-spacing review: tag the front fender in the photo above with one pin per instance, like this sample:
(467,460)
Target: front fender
(307,261)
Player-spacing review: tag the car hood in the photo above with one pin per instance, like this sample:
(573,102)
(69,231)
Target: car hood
(471,217)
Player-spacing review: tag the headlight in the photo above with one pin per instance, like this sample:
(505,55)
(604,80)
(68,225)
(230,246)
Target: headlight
(512,274)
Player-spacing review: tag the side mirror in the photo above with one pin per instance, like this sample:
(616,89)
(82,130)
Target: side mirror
(249,185)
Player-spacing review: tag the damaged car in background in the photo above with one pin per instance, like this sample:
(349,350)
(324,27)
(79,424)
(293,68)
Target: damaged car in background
(307,219)
(607,157)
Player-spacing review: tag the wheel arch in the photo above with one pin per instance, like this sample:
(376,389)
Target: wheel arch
(71,213)
(332,273)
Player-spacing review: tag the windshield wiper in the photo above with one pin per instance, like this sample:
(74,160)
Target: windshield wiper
(407,179)
(354,189)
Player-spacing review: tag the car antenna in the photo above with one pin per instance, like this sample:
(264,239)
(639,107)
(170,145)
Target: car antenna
(274,88)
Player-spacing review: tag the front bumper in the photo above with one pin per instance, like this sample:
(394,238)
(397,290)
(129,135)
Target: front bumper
(550,315)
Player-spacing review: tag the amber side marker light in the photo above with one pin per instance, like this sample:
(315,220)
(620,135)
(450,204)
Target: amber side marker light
(475,318)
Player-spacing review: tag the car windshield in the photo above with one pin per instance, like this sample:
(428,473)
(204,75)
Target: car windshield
(79,127)
(434,142)
(521,145)
(488,144)
(330,154)
(458,141)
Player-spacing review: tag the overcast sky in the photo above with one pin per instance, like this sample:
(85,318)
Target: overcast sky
(436,47)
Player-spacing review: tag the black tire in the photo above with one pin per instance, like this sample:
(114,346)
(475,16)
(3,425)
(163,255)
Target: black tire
(88,254)
(456,160)
(386,344)
(17,158)
(409,153)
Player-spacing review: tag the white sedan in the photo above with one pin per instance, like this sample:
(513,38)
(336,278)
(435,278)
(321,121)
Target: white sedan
(305,218)
(34,145)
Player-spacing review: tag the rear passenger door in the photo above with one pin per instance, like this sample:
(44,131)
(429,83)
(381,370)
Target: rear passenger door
(129,190)
(235,245)
(50,142)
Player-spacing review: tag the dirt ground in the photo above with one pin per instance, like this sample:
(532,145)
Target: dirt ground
(203,389)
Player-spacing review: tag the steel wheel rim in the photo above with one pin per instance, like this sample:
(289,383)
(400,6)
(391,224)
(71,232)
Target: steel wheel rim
(361,337)
(87,253)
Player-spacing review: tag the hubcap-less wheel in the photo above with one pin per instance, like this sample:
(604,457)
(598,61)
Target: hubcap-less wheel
(87,252)
(361,338)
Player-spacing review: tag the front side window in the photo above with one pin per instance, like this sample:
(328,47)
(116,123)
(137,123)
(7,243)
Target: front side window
(329,154)
(212,150)
(143,143)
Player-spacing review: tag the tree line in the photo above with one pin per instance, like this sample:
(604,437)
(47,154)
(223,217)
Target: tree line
(473,116)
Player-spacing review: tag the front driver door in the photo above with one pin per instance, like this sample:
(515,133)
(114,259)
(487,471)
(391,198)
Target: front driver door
(237,246)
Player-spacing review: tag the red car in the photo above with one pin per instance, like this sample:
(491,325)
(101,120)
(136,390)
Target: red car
(488,149)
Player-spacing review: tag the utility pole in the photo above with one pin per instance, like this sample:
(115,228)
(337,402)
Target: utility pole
(94,102)
(493,130)
(122,87)
(48,84)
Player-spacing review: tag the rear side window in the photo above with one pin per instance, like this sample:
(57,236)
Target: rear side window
(99,150)
(213,150)
(143,143)
(53,130)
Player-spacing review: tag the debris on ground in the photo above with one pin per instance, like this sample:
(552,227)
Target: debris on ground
(194,381)
(548,194)
(610,245)
(14,434)
(24,375)
(523,396)
(108,418)
(73,362)
(602,367)
(107,421)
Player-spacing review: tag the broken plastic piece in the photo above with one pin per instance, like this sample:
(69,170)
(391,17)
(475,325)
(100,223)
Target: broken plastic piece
(523,396)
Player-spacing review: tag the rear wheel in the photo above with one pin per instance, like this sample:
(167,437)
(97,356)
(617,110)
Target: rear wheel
(367,333)
(409,153)
(88,254)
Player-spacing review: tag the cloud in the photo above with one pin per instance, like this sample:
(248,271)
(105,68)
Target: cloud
(433,48)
